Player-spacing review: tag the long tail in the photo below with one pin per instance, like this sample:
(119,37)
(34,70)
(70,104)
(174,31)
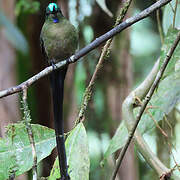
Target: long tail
(57,83)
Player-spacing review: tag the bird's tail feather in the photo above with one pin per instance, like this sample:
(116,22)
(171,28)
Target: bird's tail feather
(57,83)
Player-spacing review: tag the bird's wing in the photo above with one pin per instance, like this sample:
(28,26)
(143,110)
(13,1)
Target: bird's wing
(43,49)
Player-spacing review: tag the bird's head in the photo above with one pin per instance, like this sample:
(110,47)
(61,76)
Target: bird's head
(54,12)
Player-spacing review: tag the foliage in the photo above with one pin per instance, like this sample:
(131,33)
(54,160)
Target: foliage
(166,97)
(161,106)
(16,151)
(168,16)
(77,155)
(117,142)
(169,39)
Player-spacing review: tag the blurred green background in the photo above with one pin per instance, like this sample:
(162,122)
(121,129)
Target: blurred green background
(132,56)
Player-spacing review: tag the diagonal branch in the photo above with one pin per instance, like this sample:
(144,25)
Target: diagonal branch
(151,82)
(105,51)
(88,48)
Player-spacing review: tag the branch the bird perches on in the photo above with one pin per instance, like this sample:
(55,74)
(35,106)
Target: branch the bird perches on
(94,44)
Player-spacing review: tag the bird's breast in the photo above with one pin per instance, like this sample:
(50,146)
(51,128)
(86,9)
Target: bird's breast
(60,40)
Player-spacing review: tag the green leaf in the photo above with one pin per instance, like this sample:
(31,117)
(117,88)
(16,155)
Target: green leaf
(102,4)
(168,41)
(117,142)
(16,152)
(168,16)
(162,102)
(13,34)
(77,155)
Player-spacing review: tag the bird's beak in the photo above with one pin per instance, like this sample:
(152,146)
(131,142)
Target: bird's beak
(54,16)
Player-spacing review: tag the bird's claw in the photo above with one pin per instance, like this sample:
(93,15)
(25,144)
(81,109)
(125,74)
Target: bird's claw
(53,64)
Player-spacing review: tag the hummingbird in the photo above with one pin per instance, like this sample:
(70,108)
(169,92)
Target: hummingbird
(59,40)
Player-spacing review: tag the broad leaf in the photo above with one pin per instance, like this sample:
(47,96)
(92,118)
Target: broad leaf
(16,152)
(168,41)
(117,141)
(77,156)
(162,102)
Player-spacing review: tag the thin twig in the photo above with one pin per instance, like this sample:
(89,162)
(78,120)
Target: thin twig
(156,123)
(151,116)
(175,10)
(147,99)
(160,26)
(98,41)
(171,7)
(27,120)
(104,53)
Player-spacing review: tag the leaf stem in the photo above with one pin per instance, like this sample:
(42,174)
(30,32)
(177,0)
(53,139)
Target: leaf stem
(175,11)
(159,26)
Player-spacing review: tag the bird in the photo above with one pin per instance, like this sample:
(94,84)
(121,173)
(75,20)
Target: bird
(59,41)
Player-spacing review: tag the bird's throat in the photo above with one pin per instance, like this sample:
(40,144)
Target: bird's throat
(55,19)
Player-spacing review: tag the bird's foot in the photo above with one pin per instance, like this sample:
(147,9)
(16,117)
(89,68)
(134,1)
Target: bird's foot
(53,64)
